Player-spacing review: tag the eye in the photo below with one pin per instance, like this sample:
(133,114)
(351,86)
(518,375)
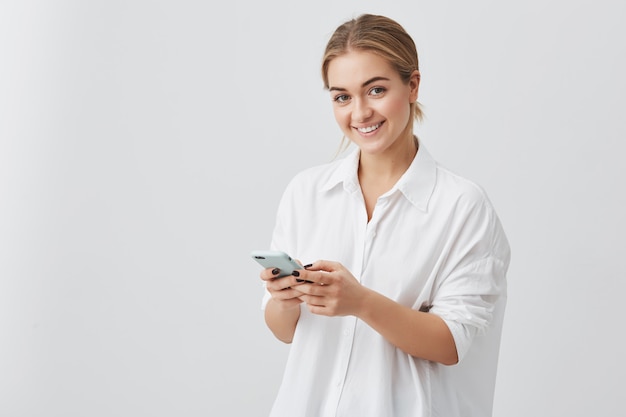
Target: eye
(377,91)
(341,98)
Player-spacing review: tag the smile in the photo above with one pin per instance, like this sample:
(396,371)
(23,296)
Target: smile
(369,129)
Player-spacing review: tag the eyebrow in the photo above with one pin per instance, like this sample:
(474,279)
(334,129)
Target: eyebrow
(371,80)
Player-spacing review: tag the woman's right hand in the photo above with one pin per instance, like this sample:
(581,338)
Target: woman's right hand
(283,309)
(283,290)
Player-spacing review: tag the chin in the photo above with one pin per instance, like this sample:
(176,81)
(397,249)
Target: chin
(372,149)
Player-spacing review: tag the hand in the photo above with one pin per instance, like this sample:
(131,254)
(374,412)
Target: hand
(282,289)
(331,291)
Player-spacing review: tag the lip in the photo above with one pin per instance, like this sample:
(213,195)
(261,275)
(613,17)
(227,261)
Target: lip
(367,132)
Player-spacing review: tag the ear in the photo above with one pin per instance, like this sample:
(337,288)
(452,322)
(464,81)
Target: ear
(414,84)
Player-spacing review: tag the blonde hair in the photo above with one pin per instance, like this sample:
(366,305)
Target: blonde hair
(380,35)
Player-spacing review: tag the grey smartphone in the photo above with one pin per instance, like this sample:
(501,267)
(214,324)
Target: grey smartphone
(276,259)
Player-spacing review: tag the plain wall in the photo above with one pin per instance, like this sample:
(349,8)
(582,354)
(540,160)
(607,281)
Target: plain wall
(144,146)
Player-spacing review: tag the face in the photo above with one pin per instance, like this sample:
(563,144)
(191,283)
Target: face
(371,103)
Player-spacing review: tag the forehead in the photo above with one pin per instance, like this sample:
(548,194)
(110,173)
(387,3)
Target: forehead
(356,67)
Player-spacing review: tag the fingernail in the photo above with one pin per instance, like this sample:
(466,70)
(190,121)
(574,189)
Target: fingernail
(275,271)
(307,266)
(295,273)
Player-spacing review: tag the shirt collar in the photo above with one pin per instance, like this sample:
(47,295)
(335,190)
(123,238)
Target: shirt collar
(416,184)
(345,172)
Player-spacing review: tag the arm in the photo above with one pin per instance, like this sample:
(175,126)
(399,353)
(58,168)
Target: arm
(282,322)
(282,311)
(417,333)
(335,292)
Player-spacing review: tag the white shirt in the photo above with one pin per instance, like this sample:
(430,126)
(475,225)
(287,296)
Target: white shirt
(435,240)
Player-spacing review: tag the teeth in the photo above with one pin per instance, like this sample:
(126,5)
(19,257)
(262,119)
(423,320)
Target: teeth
(368,129)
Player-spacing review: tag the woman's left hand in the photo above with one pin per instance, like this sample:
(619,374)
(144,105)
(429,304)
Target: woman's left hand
(332,290)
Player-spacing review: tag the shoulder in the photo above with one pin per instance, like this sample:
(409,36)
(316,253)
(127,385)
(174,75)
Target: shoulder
(303,195)
(460,190)
(316,174)
(318,177)
(471,210)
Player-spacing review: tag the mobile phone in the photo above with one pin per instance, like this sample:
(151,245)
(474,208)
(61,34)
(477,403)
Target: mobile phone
(276,259)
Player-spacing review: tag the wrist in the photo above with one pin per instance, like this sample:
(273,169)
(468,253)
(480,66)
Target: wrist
(286,306)
(366,303)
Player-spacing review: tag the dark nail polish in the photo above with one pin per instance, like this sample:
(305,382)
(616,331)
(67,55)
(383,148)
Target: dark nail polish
(307,266)
(295,273)
(275,271)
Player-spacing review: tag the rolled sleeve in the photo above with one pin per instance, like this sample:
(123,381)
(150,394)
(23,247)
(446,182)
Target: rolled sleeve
(467,298)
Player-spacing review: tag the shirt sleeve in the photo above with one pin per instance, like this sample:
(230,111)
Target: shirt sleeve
(466,302)
(475,279)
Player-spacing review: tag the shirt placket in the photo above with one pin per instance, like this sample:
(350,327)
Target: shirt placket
(371,231)
(345,350)
(364,241)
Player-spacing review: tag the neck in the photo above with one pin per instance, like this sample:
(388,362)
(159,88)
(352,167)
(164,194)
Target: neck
(390,165)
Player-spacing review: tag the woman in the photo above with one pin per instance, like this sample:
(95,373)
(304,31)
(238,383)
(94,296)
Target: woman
(401,314)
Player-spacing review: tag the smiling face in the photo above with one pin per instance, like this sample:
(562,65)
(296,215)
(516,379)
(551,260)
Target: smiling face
(371,103)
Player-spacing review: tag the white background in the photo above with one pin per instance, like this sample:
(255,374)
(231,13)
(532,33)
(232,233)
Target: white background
(144,146)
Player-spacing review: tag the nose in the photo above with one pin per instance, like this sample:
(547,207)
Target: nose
(361,111)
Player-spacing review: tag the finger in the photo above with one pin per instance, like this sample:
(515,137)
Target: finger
(312,300)
(299,278)
(269,273)
(312,289)
(318,310)
(287,294)
(322,265)
(319,277)
(279,284)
